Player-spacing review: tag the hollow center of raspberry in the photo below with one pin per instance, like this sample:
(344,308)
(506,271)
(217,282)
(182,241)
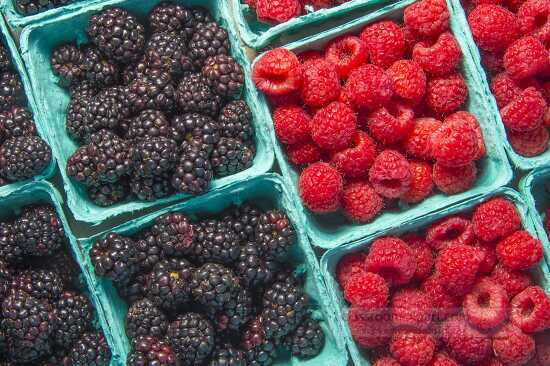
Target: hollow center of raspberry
(527,307)
(483,300)
(392,183)
(346,54)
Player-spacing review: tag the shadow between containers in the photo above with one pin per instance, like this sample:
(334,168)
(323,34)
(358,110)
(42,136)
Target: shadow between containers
(329,231)
(265,191)
(43,192)
(330,260)
(38,40)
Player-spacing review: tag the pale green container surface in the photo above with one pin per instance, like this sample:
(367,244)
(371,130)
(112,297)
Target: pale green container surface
(44,193)
(37,42)
(266,191)
(31,105)
(494,171)
(330,260)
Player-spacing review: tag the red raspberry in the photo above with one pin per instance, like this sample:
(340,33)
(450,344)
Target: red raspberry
(525,112)
(310,55)
(489,254)
(411,309)
(386,361)
(369,329)
(472,121)
(513,282)
(348,266)
(492,62)
(285,99)
(385,42)
(346,53)
(418,143)
(291,124)
(525,57)
(530,310)
(367,290)
(360,202)
(421,182)
(320,83)
(513,5)
(542,341)
(251,3)
(513,347)
(409,80)
(390,174)
(493,27)
(457,266)
(423,254)
(303,154)
(277,11)
(428,18)
(486,306)
(369,86)
(455,143)
(533,18)
(392,123)
(321,187)
(320,4)
(333,126)
(451,230)
(446,94)
(445,304)
(393,259)
(504,89)
(466,344)
(440,58)
(519,251)
(355,161)
(495,219)
(530,143)
(412,348)
(443,359)
(454,180)
(277,72)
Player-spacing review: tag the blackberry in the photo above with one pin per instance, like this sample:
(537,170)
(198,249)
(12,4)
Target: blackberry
(114,257)
(164,51)
(103,112)
(243,220)
(5,278)
(275,234)
(118,34)
(81,166)
(208,40)
(24,157)
(147,350)
(11,90)
(98,69)
(5,60)
(61,263)
(252,268)
(149,123)
(170,17)
(40,284)
(132,290)
(145,319)
(108,194)
(215,242)
(192,338)
(201,17)
(224,75)
(73,313)
(149,252)
(307,340)
(31,7)
(151,188)
(214,286)
(258,349)
(59,357)
(194,95)
(77,121)
(134,70)
(153,90)
(235,121)
(174,234)
(90,349)
(168,284)
(120,95)
(17,122)
(226,355)
(236,312)
(154,156)
(39,231)
(10,250)
(195,126)
(84,89)
(111,155)
(230,156)
(67,63)
(193,172)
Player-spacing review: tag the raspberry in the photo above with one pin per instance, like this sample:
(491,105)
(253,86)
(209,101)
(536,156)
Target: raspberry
(390,174)
(533,18)
(493,27)
(454,180)
(292,124)
(355,161)
(369,329)
(320,83)
(440,58)
(442,359)
(409,80)
(485,307)
(513,282)
(277,72)
(367,290)
(466,344)
(392,123)
(452,230)
(303,154)
(455,143)
(393,259)
(333,127)
(348,266)
(427,18)
(543,348)
(423,254)
(530,143)
(360,202)
(457,266)
(530,310)
(369,86)
(386,361)
(445,304)
(411,309)
(489,254)
(277,11)
(446,94)
(321,186)
(285,99)
(346,53)
(495,219)
(492,62)
(525,112)
(421,182)
(412,348)
(525,57)
(385,42)
(519,251)
(418,143)
(504,89)
(310,55)
(513,347)
(472,121)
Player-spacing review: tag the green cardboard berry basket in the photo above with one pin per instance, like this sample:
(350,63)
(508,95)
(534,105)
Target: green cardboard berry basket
(330,260)
(37,42)
(494,171)
(43,192)
(265,191)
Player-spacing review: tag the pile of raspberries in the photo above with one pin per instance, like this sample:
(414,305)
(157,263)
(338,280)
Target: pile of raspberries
(513,37)
(458,294)
(375,118)
(281,11)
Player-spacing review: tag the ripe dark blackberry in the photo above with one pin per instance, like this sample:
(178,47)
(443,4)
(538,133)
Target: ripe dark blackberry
(133,290)
(193,172)
(230,156)
(108,194)
(224,75)
(40,284)
(214,286)
(101,112)
(170,17)
(31,7)
(5,278)
(67,63)
(235,120)
(192,338)
(244,220)
(114,257)
(59,357)
(149,252)
(164,51)
(201,17)
(149,123)
(258,349)
(168,285)
(73,313)
(98,69)
(134,70)
(208,40)
(147,350)
(76,122)
(193,126)
(225,354)
(151,188)
(39,231)
(111,155)
(194,95)
(81,166)
(275,234)
(90,349)
(252,268)
(153,90)
(174,234)
(154,156)
(120,94)
(307,340)
(84,89)
(5,59)
(17,122)
(145,319)
(24,157)
(61,263)
(11,90)
(10,250)
(236,312)
(118,34)
(214,241)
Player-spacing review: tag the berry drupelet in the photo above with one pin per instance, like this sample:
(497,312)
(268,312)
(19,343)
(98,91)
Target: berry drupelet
(174,234)
(197,126)
(16,122)
(215,242)
(170,17)
(215,286)
(151,188)
(165,51)
(90,349)
(11,90)
(98,69)
(224,75)
(154,156)
(307,340)
(147,350)
(209,39)
(275,234)
(40,284)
